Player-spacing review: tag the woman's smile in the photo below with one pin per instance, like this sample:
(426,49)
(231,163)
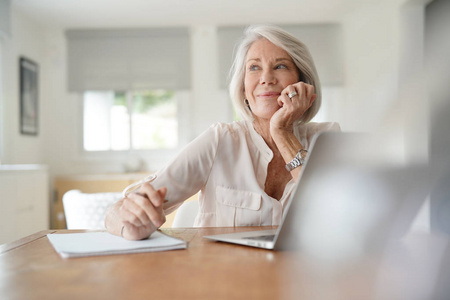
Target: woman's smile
(268,95)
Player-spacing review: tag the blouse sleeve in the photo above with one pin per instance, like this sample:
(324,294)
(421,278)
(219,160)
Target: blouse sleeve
(189,171)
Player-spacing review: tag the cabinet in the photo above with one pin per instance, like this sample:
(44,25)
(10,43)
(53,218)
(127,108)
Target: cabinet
(24,201)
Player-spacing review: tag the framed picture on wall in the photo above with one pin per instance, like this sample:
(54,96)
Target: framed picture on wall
(28,96)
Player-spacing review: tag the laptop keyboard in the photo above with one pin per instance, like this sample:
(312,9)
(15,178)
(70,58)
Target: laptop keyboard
(261,237)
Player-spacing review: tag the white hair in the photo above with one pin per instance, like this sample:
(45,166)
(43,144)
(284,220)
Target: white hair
(297,51)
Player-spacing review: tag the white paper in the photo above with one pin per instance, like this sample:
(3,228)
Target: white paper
(104,243)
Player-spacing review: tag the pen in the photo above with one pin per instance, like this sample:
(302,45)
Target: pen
(134,186)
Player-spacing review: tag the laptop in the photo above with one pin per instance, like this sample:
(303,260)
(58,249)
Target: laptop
(352,192)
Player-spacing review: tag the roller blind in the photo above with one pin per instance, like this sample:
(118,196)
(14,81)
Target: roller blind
(324,41)
(5,18)
(128,59)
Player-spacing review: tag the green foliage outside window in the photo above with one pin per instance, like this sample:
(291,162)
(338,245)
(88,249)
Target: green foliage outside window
(144,100)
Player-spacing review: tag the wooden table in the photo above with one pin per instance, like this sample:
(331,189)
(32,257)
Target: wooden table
(31,269)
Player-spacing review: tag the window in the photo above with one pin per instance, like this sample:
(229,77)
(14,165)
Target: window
(133,120)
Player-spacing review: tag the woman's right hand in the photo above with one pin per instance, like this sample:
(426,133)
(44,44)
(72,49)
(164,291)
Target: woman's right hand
(141,212)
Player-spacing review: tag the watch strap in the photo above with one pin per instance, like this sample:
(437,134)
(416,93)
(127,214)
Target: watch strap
(297,161)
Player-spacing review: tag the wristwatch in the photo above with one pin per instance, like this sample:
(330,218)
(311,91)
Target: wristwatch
(298,160)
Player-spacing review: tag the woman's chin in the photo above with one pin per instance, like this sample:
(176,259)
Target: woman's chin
(264,115)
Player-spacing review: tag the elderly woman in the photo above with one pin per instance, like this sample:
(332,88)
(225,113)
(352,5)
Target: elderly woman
(246,170)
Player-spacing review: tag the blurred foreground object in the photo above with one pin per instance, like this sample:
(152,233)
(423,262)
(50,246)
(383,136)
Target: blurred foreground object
(437,63)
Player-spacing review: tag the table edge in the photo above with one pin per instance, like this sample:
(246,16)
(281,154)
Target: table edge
(24,241)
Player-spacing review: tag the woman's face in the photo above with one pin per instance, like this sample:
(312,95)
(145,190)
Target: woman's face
(268,70)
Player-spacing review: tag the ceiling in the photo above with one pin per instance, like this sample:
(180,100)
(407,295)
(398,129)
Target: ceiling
(154,13)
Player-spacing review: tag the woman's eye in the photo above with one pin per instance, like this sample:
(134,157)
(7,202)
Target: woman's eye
(281,66)
(253,68)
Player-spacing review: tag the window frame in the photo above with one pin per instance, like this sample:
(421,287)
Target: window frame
(183,100)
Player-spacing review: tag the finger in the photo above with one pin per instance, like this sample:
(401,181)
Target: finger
(309,91)
(313,98)
(281,100)
(156,200)
(154,215)
(162,217)
(307,94)
(132,232)
(136,204)
(162,192)
(284,100)
(291,92)
(152,194)
(127,216)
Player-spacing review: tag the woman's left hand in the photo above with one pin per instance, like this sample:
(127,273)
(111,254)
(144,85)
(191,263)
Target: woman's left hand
(291,109)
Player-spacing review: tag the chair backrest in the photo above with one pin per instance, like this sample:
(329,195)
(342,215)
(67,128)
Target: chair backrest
(87,211)
(186,214)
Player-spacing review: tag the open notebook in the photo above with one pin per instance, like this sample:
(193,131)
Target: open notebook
(104,243)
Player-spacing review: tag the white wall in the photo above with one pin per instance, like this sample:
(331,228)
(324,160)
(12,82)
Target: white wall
(384,67)
(371,54)
(210,104)
(26,40)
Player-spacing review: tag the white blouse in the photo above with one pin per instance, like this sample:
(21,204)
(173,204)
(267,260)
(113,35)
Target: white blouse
(228,165)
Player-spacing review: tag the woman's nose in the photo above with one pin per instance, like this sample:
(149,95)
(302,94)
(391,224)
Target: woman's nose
(267,77)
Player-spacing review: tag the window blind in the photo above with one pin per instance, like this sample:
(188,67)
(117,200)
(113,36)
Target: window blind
(5,18)
(324,41)
(128,59)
